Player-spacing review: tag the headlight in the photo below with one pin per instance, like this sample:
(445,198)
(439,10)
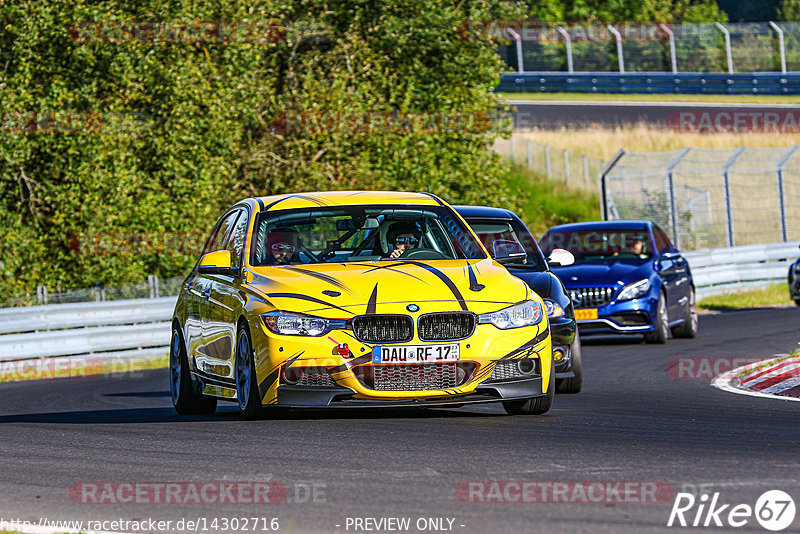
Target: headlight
(553,308)
(635,290)
(516,316)
(301,325)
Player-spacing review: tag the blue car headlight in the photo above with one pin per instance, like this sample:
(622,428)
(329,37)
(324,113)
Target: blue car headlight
(301,325)
(635,290)
(553,308)
(525,314)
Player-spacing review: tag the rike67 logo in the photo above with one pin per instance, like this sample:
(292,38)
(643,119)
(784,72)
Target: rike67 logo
(774,510)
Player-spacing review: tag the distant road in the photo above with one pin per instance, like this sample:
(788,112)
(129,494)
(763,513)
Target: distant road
(556,114)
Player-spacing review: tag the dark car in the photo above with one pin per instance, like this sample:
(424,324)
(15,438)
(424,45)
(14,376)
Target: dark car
(794,281)
(628,279)
(499,228)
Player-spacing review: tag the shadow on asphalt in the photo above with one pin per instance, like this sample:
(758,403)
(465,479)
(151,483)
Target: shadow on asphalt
(231,414)
(612,340)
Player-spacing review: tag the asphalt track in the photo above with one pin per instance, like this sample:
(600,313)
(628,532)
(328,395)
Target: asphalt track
(633,422)
(558,114)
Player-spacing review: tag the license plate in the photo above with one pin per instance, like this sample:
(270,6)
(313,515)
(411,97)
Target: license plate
(586,314)
(416,353)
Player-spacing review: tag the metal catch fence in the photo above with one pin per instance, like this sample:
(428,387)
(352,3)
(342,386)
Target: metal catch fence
(708,198)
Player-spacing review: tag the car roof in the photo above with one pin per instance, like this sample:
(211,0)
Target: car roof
(321,199)
(484,211)
(598,225)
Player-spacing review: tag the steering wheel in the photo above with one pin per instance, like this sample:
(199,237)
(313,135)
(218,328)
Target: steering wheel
(422,254)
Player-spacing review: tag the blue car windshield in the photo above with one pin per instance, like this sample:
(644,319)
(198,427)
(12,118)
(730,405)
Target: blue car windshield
(606,244)
(361,233)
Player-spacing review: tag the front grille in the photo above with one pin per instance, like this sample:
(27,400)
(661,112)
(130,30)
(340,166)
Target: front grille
(592,297)
(448,326)
(383,328)
(414,377)
(317,379)
(506,370)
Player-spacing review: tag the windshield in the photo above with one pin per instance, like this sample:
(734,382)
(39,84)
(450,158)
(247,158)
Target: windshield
(601,244)
(361,233)
(489,231)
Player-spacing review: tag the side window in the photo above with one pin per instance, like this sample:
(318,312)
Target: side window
(222,230)
(662,241)
(236,240)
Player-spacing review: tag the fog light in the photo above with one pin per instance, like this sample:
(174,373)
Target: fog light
(526,366)
(293,375)
(558,354)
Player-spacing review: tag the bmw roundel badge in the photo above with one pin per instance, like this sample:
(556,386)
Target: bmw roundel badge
(412,308)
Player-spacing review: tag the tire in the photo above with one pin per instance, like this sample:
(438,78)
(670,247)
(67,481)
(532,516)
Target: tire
(689,327)
(573,384)
(797,302)
(247,392)
(661,332)
(186,397)
(538,405)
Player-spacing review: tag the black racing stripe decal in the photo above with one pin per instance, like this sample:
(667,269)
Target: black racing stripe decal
(316,201)
(473,280)
(443,277)
(260,203)
(324,277)
(391,268)
(298,296)
(372,304)
(267,383)
(524,351)
(366,358)
(434,197)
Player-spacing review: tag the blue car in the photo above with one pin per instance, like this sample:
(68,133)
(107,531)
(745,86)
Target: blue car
(627,279)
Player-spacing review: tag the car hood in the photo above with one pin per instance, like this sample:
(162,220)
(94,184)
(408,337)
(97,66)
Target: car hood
(611,273)
(347,289)
(540,281)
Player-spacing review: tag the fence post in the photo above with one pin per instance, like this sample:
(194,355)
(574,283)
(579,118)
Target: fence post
(41,294)
(547,161)
(673,208)
(518,38)
(727,35)
(726,182)
(672,56)
(152,282)
(782,193)
(530,154)
(781,45)
(568,39)
(585,171)
(566,166)
(603,188)
(618,37)
(511,147)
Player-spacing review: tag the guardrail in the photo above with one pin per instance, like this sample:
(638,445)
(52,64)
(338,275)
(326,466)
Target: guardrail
(140,328)
(762,83)
(724,270)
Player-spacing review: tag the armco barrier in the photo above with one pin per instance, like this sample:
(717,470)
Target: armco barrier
(741,83)
(141,328)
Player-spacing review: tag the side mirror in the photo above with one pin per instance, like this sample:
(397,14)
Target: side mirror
(560,258)
(670,253)
(506,251)
(217,262)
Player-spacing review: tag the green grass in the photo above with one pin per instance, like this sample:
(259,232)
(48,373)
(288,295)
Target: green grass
(551,202)
(772,295)
(605,97)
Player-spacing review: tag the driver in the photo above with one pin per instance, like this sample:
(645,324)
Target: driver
(403,237)
(283,245)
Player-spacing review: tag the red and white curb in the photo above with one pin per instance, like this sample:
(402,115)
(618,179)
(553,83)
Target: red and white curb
(775,378)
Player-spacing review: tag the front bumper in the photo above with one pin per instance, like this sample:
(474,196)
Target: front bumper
(563,330)
(342,397)
(636,316)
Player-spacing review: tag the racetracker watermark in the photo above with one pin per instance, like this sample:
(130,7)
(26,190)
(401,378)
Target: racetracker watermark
(591,491)
(68,122)
(175,32)
(204,493)
(714,121)
(381,122)
(135,243)
(85,366)
(537,31)
(704,367)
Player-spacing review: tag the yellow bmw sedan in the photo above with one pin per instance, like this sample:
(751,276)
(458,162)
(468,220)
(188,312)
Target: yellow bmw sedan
(356,299)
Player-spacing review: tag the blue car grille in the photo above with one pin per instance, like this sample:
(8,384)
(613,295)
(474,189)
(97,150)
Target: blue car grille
(592,297)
